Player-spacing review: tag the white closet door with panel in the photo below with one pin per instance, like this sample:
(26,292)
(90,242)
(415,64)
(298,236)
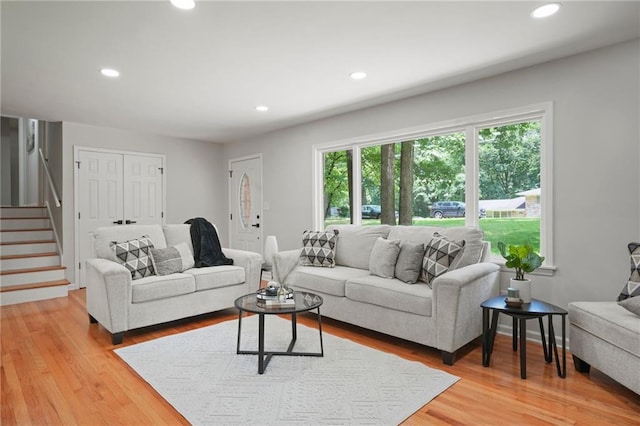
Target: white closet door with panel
(115,189)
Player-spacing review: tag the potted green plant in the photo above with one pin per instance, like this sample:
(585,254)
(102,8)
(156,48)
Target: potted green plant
(524,260)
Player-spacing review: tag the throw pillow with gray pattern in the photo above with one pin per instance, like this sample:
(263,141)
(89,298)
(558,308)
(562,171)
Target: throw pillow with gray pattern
(319,248)
(632,288)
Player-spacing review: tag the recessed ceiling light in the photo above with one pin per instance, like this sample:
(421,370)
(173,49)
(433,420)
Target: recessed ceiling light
(184,4)
(358,75)
(262,108)
(545,10)
(110,72)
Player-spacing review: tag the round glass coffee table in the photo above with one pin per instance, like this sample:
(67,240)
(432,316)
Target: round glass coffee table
(304,302)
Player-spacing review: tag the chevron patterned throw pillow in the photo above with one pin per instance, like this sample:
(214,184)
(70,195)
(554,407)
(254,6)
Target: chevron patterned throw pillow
(319,248)
(439,256)
(632,288)
(135,255)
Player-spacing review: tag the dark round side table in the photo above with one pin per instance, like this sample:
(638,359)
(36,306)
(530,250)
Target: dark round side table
(536,309)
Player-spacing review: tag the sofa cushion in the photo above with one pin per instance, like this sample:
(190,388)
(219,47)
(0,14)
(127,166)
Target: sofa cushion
(632,288)
(409,263)
(414,234)
(383,257)
(609,322)
(355,243)
(473,244)
(439,256)
(323,280)
(172,259)
(393,294)
(631,304)
(319,248)
(217,276)
(178,233)
(135,255)
(104,236)
(161,287)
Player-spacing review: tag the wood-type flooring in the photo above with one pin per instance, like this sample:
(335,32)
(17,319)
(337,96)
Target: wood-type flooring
(58,369)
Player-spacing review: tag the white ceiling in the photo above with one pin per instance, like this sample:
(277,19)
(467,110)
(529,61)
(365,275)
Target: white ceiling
(199,74)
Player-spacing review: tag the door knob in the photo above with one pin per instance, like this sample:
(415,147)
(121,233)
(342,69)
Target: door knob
(257,225)
(130,221)
(117,222)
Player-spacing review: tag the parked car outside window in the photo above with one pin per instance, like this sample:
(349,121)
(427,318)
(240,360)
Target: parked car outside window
(441,209)
(370,211)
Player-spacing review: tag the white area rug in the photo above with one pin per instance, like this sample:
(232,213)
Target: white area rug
(199,373)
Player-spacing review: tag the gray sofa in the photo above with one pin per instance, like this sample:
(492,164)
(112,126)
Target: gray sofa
(446,316)
(120,303)
(606,336)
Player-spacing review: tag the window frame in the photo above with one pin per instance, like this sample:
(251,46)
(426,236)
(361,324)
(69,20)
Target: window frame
(470,126)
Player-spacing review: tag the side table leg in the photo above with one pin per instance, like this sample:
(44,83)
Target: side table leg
(494,329)
(239,331)
(260,343)
(514,337)
(548,356)
(523,348)
(320,332)
(294,327)
(485,337)
(564,348)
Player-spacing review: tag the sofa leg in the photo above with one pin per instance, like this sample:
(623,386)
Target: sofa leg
(448,358)
(581,366)
(116,338)
(92,320)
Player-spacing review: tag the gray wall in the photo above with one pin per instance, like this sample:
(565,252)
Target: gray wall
(196,177)
(596,168)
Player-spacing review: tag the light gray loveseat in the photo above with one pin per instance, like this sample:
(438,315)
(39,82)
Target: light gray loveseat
(606,336)
(120,303)
(446,316)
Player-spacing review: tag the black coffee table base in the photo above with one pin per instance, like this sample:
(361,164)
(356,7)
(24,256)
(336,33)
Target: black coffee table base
(265,356)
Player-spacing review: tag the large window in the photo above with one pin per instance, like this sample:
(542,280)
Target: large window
(490,172)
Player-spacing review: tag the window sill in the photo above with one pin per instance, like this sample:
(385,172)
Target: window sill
(544,270)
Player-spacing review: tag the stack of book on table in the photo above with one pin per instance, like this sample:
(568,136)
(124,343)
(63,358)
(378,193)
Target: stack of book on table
(265,298)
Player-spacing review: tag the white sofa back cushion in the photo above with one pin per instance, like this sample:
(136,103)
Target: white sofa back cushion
(356,242)
(176,234)
(474,246)
(103,236)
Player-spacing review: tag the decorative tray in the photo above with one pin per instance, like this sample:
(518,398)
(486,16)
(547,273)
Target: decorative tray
(263,294)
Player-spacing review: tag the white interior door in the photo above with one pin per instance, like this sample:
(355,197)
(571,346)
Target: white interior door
(114,189)
(245,189)
(142,189)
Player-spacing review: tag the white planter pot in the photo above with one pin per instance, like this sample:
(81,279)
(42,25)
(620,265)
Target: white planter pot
(524,287)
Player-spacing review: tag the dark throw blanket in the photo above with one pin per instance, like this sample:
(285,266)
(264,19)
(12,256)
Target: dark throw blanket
(206,244)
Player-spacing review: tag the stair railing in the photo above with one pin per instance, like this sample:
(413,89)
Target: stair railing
(45,165)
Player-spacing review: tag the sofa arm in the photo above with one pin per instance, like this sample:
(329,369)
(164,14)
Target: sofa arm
(283,263)
(457,296)
(108,293)
(250,261)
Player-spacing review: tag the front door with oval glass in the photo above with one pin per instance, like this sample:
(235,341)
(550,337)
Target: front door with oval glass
(246,204)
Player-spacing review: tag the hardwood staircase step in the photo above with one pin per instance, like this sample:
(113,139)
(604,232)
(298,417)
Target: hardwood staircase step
(13,243)
(33,211)
(20,235)
(62,282)
(27,255)
(27,270)
(11,223)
